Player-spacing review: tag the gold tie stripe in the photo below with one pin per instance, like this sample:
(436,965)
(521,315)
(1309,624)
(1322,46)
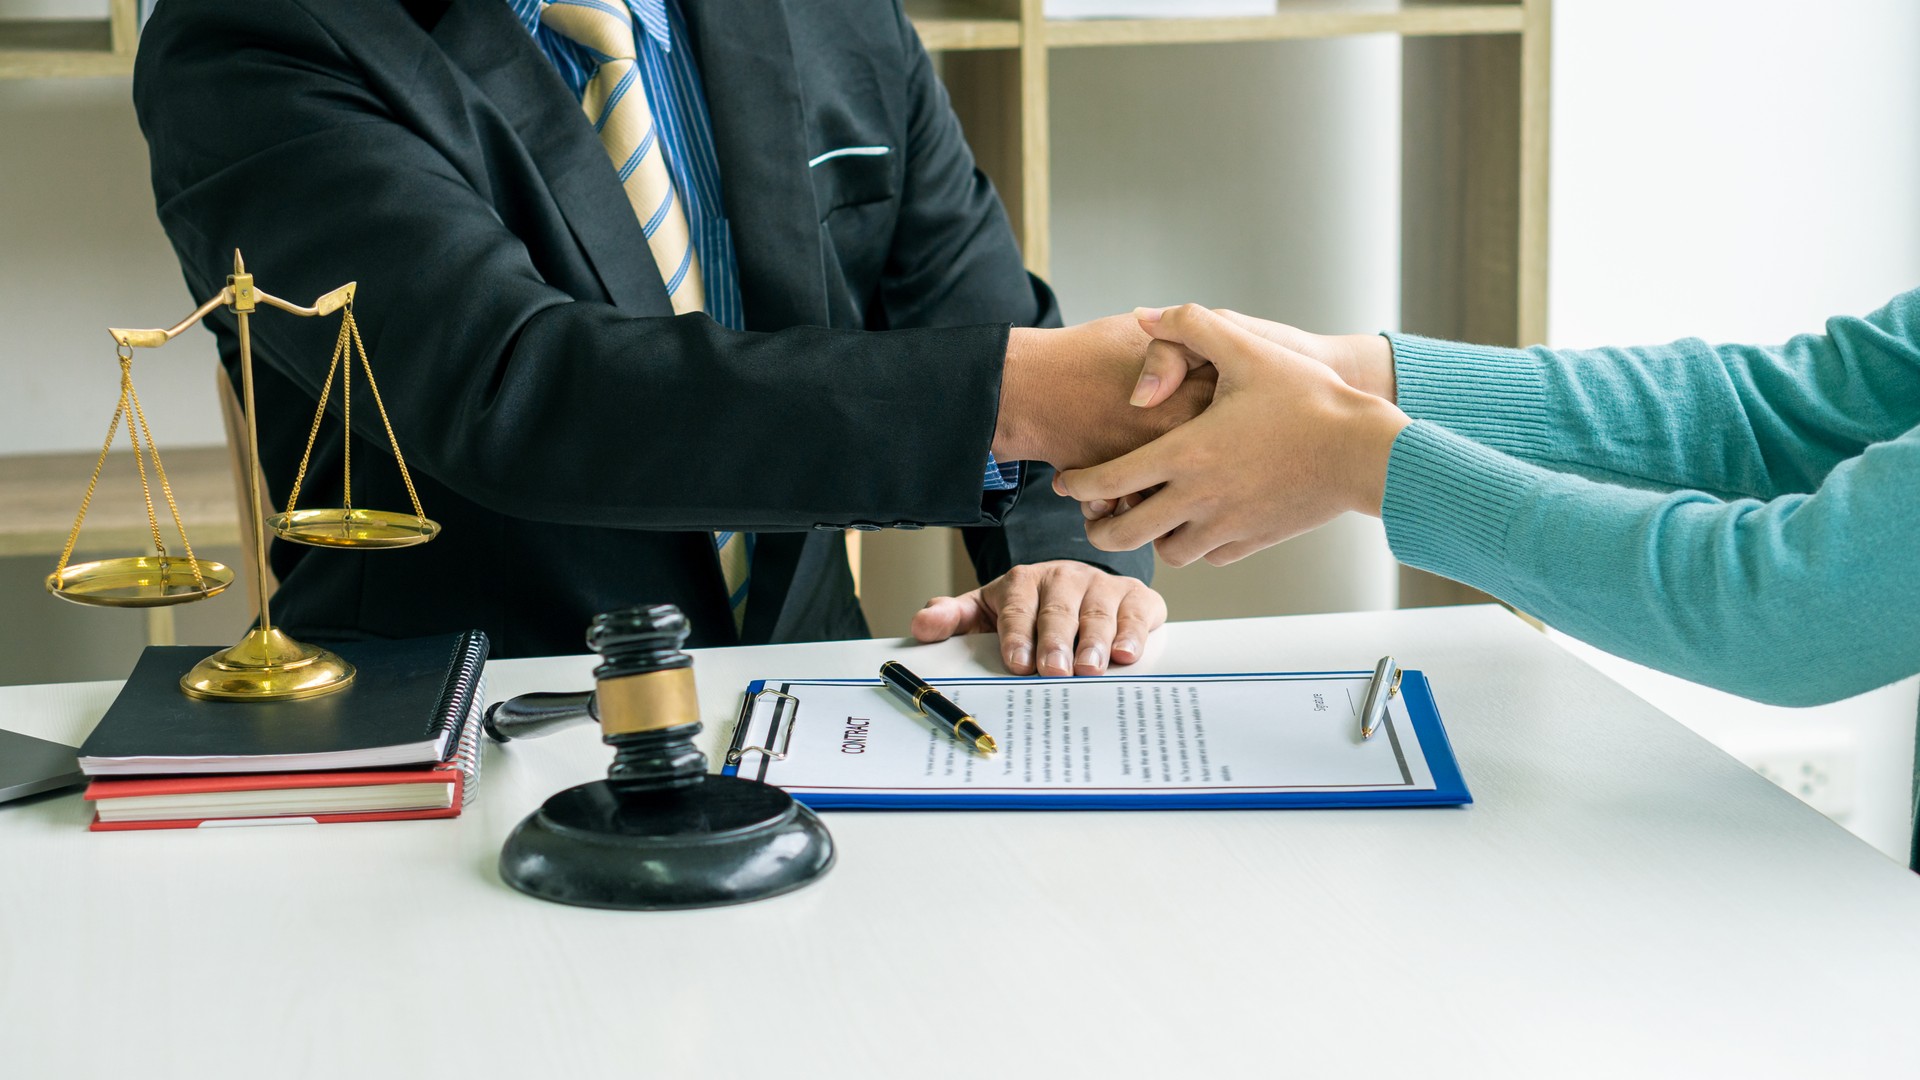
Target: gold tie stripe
(734,567)
(615,102)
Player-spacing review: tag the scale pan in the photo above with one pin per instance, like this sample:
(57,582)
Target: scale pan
(353,528)
(139,581)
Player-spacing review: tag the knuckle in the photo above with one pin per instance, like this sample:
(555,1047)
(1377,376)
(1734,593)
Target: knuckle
(1017,611)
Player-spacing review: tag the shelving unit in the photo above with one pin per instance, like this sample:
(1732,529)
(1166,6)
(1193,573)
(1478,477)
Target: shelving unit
(70,48)
(1474,142)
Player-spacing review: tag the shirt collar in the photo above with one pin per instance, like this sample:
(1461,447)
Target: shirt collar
(653,18)
(651,13)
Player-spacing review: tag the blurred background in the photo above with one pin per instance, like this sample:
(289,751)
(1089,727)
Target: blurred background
(1728,169)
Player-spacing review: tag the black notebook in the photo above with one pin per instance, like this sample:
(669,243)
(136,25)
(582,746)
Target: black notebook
(404,707)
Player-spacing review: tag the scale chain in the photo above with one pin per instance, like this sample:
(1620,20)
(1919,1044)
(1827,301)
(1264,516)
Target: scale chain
(319,414)
(166,489)
(393,440)
(128,406)
(113,428)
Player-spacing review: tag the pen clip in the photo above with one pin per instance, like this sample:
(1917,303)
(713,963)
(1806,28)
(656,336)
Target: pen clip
(1395,687)
(735,755)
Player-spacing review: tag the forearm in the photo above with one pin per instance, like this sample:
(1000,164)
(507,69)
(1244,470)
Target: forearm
(1734,419)
(1799,600)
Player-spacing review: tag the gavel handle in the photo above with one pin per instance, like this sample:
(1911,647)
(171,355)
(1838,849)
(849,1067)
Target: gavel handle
(533,715)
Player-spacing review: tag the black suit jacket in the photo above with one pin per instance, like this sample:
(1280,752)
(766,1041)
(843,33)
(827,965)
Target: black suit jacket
(575,439)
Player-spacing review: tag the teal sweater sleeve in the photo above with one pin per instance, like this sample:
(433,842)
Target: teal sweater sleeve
(1735,420)
(1800,598)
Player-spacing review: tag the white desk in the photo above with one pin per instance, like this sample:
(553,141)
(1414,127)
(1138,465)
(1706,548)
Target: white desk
(1622,900)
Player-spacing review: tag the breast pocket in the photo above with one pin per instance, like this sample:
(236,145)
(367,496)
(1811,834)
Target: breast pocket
(853,176)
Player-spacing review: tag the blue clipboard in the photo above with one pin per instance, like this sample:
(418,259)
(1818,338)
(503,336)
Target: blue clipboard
(1449,787)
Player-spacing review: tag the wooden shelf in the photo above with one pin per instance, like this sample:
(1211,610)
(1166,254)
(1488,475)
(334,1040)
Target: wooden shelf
(959,25)
(39,494)
(60,48)
(81,48)
(1295,20)
(71,48)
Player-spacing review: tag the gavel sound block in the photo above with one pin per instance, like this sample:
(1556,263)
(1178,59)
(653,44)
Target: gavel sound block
(659,832)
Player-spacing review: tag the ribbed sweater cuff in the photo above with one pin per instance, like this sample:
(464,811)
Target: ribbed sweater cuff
(1494,396)
(1449,504)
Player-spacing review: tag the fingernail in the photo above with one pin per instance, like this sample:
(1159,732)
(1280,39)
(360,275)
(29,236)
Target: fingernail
(1125,645)
(1058,660)
(1143,390)
(1022,656)
(1098,507)
(1149,314)
(1090,657)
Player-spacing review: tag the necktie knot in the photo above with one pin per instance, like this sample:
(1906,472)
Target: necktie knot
(604,27)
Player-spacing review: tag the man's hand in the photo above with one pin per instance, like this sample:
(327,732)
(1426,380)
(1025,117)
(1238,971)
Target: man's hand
(1070,615)
(1286,446)
(1064,393)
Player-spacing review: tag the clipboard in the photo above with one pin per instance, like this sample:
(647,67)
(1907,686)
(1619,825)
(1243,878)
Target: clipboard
(776,731)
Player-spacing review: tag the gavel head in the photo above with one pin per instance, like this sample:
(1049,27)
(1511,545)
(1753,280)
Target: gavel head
(660,832)
(644,681)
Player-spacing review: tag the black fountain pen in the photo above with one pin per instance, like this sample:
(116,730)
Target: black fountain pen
(932,705)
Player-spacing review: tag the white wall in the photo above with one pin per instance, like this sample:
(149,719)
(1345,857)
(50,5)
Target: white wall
(80,249)
(1739,170)
(1261,177)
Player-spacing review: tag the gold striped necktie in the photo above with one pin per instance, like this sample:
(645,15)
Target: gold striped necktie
(615,102)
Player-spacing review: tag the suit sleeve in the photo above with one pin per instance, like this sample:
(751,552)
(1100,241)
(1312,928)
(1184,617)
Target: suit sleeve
(267,135)
(955,260)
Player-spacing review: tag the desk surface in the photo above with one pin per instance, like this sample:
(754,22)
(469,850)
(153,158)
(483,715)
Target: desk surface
(1621,900)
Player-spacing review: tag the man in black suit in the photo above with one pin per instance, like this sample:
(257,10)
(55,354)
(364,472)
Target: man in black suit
(578,440)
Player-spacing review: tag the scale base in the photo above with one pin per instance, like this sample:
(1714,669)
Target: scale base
(723,840)
(267,665)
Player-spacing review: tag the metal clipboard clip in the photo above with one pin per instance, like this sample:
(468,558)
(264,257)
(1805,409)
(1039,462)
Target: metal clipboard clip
(787,705)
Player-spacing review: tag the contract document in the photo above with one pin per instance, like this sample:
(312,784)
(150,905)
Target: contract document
(1115,742)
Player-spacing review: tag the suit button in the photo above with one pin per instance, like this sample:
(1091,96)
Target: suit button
(865,526)
(909,525)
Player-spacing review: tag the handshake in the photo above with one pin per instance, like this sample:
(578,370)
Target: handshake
(1206,433)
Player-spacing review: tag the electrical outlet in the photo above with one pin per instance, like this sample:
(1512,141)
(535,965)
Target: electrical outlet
(1822,777)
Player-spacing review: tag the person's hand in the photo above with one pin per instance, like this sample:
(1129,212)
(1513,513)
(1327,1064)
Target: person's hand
(1286,446)
(1064,394)
(1055,618)
(1363,361)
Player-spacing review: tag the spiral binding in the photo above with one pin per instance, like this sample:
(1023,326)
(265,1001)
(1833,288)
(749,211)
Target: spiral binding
(466,756)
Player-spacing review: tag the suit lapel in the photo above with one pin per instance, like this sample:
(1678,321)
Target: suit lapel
(745,54)
(744,50)
(486,41)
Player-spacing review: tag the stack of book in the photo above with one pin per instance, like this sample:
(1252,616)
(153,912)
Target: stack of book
(401,741)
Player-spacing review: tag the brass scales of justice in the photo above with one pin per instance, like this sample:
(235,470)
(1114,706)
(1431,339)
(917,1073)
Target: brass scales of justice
(266,664)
